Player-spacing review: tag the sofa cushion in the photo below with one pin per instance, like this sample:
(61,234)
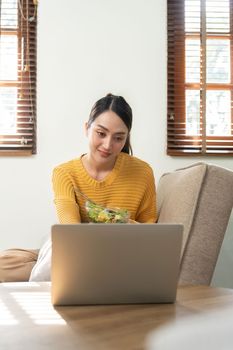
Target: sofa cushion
(16,264)
(200,197)
(41,270)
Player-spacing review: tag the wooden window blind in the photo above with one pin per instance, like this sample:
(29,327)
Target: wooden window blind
(18,23)
(200,77)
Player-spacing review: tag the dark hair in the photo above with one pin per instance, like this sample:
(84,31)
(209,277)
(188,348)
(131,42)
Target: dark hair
(118,105)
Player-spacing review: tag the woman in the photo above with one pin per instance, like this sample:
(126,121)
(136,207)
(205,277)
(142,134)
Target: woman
(108,174)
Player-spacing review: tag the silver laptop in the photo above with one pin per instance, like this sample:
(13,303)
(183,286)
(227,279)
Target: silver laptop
(115,263)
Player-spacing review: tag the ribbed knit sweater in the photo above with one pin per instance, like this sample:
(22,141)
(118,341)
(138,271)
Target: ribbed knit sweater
(130,185)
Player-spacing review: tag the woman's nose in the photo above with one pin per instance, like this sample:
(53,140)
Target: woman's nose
(107,143)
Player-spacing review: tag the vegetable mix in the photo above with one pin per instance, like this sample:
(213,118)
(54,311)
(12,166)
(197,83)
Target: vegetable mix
(99,214)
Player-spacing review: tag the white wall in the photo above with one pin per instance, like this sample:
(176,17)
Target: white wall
(85,50)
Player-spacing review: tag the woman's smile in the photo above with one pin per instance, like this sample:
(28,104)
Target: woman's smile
(104,154)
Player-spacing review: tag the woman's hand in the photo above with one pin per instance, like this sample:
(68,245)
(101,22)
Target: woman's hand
(130,221)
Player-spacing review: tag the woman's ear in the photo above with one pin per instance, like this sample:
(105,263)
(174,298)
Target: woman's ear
(86,127)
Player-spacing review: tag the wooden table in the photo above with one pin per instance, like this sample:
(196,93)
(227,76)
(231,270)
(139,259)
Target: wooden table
(29,321)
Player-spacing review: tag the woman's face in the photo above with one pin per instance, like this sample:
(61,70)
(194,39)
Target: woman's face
(107,136)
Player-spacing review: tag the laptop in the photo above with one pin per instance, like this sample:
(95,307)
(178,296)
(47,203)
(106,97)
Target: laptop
(115,263)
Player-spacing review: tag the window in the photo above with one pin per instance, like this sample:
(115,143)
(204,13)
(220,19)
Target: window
(200,77)
(18,77)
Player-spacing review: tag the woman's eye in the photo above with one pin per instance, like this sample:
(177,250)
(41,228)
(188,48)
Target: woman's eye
(119,139)
(100,133)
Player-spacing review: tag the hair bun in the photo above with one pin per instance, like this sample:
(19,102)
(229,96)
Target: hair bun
(109,95)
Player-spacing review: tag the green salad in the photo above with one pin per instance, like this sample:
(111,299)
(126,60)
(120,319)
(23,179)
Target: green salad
(99,214)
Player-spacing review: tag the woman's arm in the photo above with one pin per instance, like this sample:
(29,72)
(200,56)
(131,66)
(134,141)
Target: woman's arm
(64,197)
(147,209)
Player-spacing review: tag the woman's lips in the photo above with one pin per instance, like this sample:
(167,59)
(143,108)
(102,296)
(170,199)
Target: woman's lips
(104,153)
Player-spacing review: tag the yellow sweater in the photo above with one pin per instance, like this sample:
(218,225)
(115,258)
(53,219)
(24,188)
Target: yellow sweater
(130,185)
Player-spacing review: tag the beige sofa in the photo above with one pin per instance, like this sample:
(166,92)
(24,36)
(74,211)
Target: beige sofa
(199,196)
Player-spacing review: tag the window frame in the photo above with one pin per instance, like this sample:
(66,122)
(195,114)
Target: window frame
(178,142)
(23,141)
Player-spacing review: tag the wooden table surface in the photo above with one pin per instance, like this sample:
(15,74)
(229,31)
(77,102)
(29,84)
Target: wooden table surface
(29,321)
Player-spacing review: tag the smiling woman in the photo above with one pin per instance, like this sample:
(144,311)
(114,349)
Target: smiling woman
(108,174)
(107,184)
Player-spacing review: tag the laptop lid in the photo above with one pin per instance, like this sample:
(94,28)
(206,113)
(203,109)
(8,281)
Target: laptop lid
(115,263)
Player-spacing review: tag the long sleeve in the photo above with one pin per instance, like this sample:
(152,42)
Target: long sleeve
(147,209)
(64,197)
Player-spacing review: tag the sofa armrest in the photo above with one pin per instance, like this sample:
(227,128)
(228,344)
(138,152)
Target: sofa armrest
(201,198)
